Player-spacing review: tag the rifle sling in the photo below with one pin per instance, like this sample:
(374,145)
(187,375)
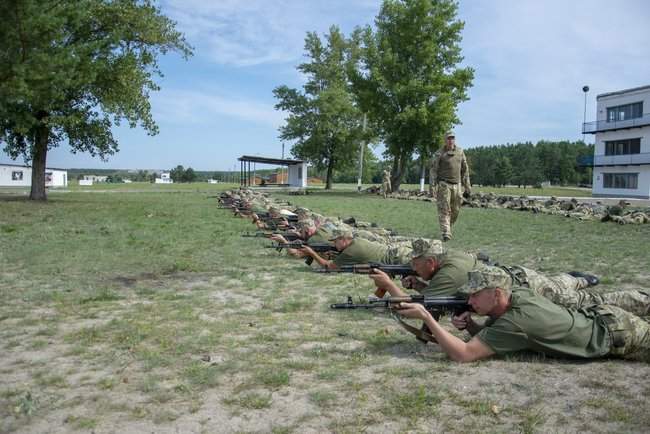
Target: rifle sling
(420,334)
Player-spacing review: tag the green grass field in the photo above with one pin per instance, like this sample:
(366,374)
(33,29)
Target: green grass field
(141,309)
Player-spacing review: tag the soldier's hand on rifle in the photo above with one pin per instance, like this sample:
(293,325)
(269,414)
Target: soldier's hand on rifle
(381,279)
(462,321)
(413,310)
(307,250)
(279,238)
(412,282)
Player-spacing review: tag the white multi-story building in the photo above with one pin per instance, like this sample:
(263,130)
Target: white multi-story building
(622,146)
(13,175)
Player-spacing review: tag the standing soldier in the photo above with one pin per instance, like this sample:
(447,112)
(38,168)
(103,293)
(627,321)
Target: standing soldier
(448,171)
(385,184)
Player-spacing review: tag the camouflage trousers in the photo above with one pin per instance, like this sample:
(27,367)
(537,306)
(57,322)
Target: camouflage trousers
(385,189)
(399,253)
(566,290)
(449,199)
(630,335)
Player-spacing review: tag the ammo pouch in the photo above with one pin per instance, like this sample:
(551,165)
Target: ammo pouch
(609,319)
(518,275)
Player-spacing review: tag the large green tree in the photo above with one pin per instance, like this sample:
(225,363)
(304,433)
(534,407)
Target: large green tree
(71,69)
(323,119)
(406,76)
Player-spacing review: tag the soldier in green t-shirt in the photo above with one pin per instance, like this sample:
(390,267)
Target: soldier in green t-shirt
(520,319)
(441,270)
(359,251)
(307,231)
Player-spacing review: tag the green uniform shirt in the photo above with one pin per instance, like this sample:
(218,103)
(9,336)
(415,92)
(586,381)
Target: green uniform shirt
(450,166)
(321,235)
(535,323)
(452,274)
(362,251)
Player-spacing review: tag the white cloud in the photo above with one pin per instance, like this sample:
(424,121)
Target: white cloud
(181,106)
(255,32)
(532,59)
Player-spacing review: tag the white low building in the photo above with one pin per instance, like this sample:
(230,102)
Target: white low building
(14,175)
(621,165)
(95,178)
(165,178)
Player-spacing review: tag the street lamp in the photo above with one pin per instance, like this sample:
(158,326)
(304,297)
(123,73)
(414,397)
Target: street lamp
(585,89)
(362,145)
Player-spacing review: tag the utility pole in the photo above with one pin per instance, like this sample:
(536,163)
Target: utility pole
(585,89)
(361,148)
(422,173)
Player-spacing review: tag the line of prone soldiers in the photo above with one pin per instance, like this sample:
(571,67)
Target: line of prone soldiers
(521,309)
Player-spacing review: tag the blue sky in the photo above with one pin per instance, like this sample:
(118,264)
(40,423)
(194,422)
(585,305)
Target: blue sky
(531,59)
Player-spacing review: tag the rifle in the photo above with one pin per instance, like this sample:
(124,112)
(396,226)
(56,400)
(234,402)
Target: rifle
(390,269)
(316,247)
(289,236)
(437,306)
(265,216)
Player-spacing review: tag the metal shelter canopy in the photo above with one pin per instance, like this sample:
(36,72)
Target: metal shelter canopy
(245,166)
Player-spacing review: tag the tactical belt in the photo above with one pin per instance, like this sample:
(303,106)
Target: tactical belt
(608,318)
(447,182)
(518,275)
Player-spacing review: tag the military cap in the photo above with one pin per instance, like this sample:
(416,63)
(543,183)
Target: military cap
(305,224)
(488,277)
(426,248)
(301,210)
(450,134)
(340,233)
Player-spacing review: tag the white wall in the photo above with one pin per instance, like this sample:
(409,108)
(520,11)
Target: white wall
(643,189)
(59,178)
(6,179)
(298,175)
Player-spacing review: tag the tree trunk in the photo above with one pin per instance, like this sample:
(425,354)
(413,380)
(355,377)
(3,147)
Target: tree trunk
(395,175)
(398,171)
(39,155)
(330,169)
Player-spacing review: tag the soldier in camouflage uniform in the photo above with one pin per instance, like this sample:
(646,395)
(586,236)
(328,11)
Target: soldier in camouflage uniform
(566,289)
(448,172)
(443,271)
(385,184)
(520,319)
(359,251)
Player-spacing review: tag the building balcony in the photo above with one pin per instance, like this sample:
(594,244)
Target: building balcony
(622,160)
(600,126)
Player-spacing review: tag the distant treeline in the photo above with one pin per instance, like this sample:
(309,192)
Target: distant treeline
(530,164)
(510,164)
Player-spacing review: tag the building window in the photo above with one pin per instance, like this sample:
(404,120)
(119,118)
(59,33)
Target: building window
(623,147)
(624,112)
(17,175)
(621,180)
